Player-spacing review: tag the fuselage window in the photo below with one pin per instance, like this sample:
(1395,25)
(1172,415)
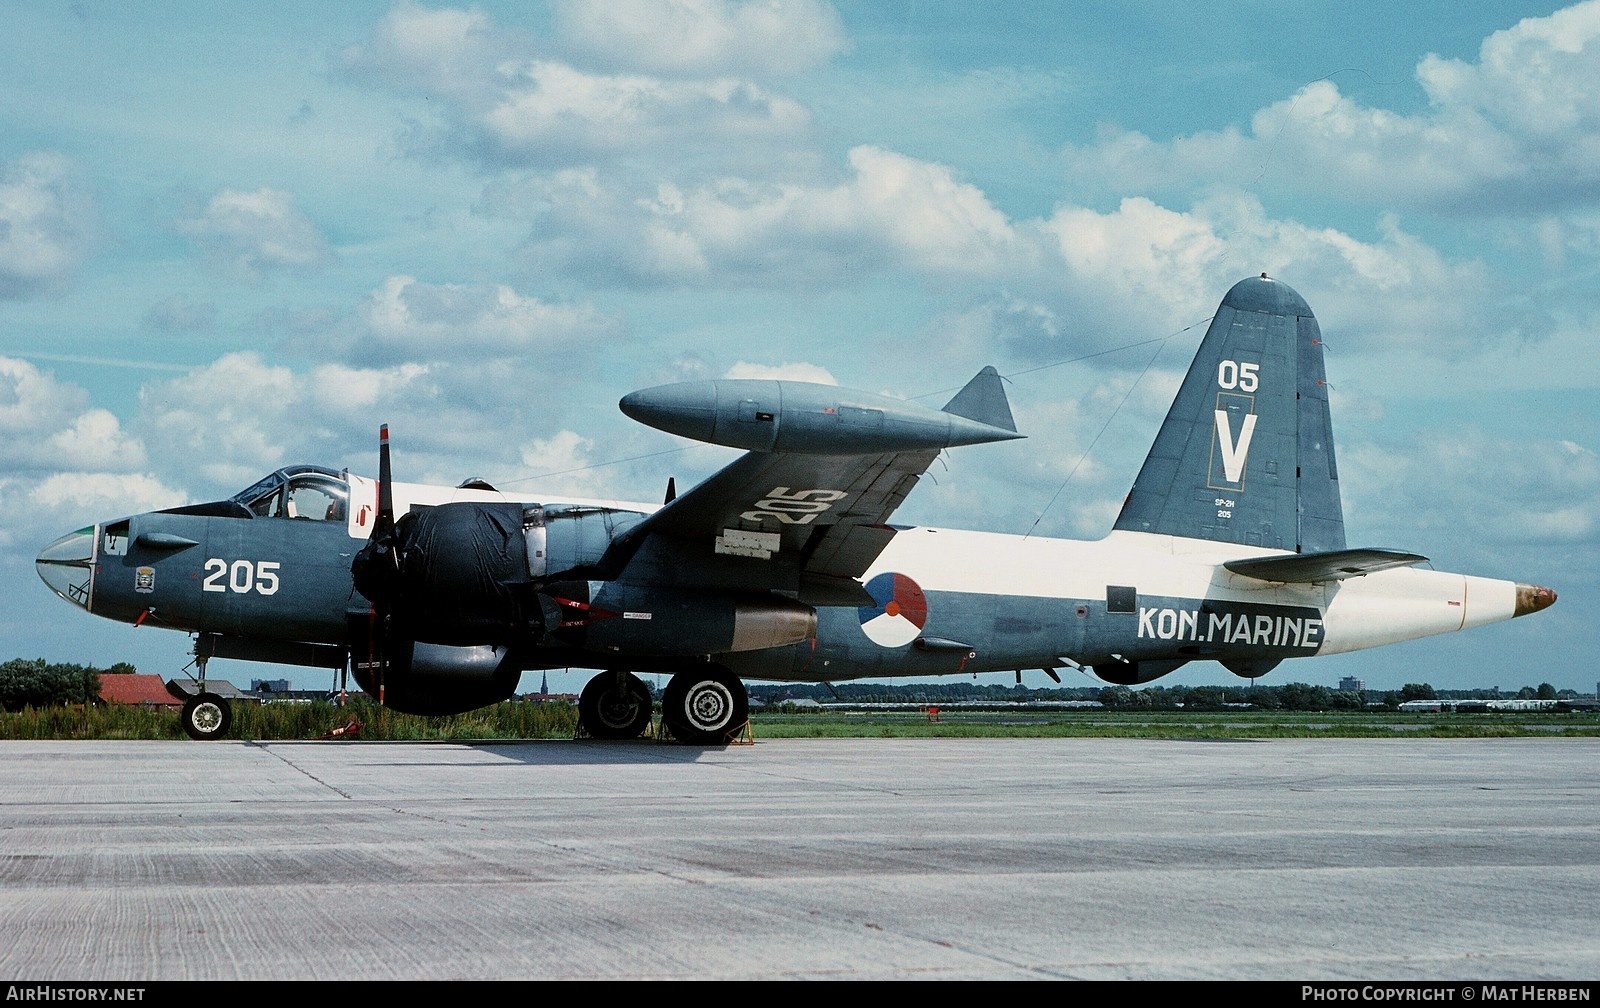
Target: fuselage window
(1121,598)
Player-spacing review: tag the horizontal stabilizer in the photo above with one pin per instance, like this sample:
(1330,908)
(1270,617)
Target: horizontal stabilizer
(1335,565)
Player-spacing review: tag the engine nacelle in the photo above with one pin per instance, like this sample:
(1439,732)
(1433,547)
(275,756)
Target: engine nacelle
(680,622)
(1250,668)
(437,679)
(1135,673)
(466,572)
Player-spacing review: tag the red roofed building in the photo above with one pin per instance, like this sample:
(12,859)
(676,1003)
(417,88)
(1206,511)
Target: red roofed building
(138,691)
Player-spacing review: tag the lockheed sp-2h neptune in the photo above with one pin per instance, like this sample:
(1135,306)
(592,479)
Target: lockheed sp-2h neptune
(785,565)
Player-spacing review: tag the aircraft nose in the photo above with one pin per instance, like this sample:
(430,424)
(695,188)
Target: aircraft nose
(67,566)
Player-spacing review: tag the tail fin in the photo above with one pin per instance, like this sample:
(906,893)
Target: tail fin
(1246,452)
(984,399)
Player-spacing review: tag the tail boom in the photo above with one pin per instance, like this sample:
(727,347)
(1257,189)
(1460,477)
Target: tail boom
(1391,606)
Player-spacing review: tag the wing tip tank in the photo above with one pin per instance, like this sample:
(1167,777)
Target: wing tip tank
(808,418)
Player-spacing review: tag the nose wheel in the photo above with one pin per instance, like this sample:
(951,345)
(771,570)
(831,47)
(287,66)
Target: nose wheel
(206,717)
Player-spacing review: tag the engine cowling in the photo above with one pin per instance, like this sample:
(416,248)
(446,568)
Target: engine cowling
(456,593)
(1135,673)
(468,573)
(438,679)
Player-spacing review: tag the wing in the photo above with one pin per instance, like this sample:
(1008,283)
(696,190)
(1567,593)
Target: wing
(809,514)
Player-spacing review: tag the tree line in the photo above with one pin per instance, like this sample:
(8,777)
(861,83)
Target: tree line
(36,683)
(1289,696)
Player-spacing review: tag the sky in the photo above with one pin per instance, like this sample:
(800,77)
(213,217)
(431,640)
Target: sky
(239,236)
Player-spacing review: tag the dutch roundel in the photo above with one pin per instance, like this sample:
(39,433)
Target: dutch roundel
(898,613)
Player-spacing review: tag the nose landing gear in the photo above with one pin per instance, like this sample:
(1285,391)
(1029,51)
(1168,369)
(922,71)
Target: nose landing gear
(206,716)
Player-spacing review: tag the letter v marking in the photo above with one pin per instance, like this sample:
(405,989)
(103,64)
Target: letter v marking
(1234,453)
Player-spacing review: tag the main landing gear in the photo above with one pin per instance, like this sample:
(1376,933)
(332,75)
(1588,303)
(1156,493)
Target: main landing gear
(615,705)
(706,706)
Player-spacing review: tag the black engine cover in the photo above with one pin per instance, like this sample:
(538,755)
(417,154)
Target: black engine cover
(462,574)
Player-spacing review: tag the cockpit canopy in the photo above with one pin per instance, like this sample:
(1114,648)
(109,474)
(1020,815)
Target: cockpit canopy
(310,492)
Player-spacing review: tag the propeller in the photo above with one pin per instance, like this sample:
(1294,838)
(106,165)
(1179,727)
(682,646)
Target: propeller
(376,568)
(448,594)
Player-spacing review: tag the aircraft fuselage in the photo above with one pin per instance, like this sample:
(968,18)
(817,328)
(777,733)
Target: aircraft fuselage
(944,601)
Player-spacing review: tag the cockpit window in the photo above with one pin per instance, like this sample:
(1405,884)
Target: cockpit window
(268,505)
(256,496)
(114,541)
(312,493)
(314,498)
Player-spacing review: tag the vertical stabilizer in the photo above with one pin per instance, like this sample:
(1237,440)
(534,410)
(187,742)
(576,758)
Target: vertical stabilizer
(1246,452)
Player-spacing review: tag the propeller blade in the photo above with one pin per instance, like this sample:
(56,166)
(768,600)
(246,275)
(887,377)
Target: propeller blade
(382,553)
(385,489)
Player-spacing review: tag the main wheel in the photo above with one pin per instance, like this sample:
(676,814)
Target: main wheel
(207,716)
(614,707)
(706,707)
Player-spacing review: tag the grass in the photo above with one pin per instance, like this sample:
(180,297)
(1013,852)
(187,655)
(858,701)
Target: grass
(550,720)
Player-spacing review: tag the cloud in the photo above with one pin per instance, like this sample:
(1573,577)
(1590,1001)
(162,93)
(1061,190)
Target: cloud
(1448,484)
(552,114)
(102,494)
(1082,282)
(254,233)
(1070,285)
(228,423)
(565,454)
(1517,130)
(692,37)
(892,212)
(225,424)
(493,95)
(62,459)
(40,510)
(782,372)
(47,426)
(408,320)
(448,53)
(47,225)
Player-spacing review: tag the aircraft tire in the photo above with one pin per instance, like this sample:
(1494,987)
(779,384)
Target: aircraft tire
(206,717)
(705,708)
(607,710)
